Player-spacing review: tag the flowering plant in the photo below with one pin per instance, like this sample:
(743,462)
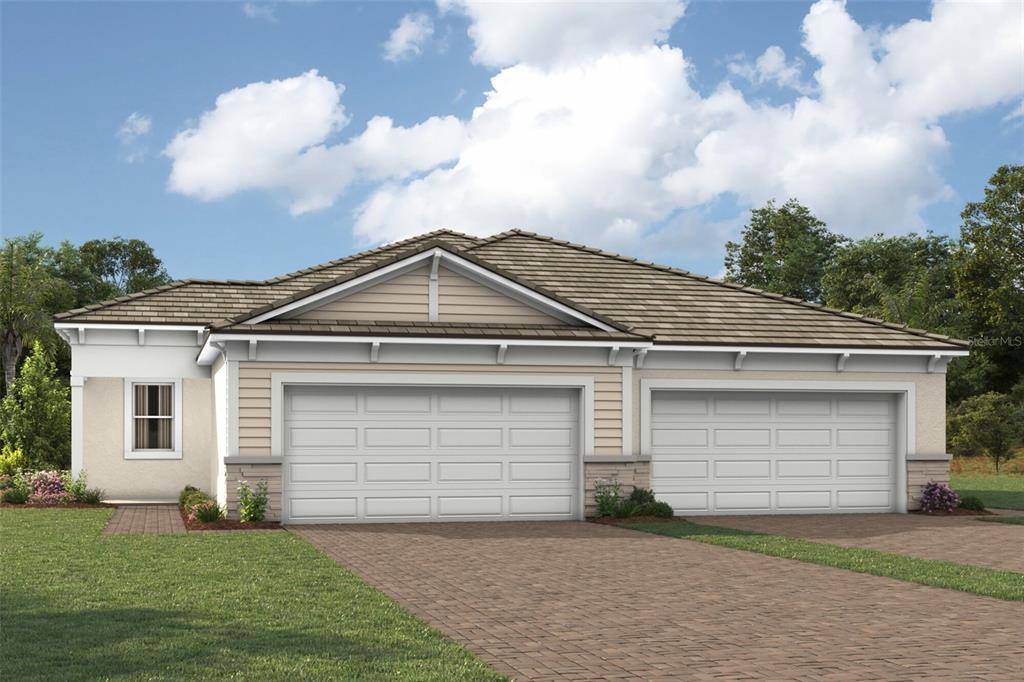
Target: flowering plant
(47,487)
(939,497)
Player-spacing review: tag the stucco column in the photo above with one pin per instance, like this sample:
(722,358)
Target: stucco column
(77,424)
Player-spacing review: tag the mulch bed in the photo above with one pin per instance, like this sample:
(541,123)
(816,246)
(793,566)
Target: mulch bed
(228,524)
(74,505)
(608,521)
(957,512)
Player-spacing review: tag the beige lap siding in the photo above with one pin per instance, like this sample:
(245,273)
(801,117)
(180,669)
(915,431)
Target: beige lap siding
(253,474)
(254,388)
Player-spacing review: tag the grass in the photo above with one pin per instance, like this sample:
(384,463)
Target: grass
(998,491)
(1016,520)
(79,605)
(975,579)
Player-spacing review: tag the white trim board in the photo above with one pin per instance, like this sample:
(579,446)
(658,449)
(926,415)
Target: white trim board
(129,419)
(209,352)
(279,380)
(452,262)
(906,409)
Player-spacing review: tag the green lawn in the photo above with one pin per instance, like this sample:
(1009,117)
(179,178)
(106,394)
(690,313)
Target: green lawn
(78,605)
(1016,520)
(1002,491)
(979,580)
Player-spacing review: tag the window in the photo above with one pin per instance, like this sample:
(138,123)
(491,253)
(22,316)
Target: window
(153,416)
(152,419)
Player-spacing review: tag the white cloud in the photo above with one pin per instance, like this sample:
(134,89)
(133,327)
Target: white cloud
(407,38)
(259,10)
(273,136)
(131,135)
(772,67)
(546,33)
(593,131)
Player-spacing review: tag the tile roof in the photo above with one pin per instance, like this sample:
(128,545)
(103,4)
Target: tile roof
(431,329)
(645,300)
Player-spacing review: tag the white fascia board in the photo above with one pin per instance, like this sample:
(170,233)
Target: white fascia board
(121,325)
(809,350)
(499,282)
(210,350)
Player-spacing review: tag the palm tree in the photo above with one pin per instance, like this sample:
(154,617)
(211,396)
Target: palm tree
(25,284)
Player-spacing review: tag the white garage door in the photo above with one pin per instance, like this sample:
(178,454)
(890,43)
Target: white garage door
(429,454)
(758,453)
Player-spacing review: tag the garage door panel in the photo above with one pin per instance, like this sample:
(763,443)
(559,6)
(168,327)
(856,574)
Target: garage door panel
(396,438)
(390,507)
(774,452)
(433,454)
(739,468)
(803,468)
(453,472)
(321,437)
(540,471)
(305,472)
(864,468)
(816,500)
(456,437)
(666,468)
(460,506)
(323,508)
(803,438)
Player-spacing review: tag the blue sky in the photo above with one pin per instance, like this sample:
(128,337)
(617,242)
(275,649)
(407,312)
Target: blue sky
(72,74)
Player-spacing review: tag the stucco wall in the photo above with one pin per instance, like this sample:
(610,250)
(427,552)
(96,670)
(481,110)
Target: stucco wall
(103,456)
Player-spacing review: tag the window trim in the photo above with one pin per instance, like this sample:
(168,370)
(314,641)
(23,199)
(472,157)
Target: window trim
(129,419)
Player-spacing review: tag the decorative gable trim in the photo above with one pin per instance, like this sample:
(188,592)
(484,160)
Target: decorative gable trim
(437,256)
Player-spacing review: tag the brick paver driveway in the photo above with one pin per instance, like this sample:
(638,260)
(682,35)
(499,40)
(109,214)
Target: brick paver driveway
(583,601)
(962,539)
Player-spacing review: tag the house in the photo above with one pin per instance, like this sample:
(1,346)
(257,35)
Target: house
(449,377)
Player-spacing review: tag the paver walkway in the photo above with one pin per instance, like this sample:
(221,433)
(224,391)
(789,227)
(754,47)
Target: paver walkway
(962,539)
(156,519)
(583,601)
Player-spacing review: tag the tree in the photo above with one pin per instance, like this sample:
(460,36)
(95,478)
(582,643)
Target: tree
(904,280)
(784,249)
(27,288)
(35,415)
(990,424)
(990,273)
(126,265)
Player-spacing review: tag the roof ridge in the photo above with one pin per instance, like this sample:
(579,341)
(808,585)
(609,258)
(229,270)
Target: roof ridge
(433,234)
(732,285)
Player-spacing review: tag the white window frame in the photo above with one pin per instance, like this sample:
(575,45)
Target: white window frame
(129,419)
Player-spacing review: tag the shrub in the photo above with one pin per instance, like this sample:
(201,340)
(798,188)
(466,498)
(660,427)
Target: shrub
(187,492)
(640,502)
(252,504)
(655,508)
(75,488)
(14,496)
(92,496)
(12,460)
(47,487)
(641,496)
(608,497)
(972,503)
(6,481)
(35,415)
(938,497)
(206,512)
